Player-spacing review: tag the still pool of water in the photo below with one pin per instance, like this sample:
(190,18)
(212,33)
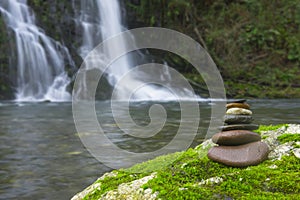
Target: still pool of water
(42,157)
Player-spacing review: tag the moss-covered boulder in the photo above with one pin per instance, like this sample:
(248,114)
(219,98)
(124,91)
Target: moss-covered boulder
(194,176)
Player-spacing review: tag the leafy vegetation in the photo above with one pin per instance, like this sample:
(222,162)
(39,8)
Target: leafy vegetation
(255,44)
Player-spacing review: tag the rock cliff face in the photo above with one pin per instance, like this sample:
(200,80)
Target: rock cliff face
(57,19)
(194,176)
(5,85)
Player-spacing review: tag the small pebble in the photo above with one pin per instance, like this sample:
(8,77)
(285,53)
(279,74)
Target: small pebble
(238,111)
(238,105)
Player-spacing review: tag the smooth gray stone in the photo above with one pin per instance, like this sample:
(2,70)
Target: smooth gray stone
(241,155)
(239,127)
(238,119)
(238,111)
(235,137)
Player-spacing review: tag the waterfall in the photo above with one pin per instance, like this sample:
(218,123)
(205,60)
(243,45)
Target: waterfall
(100,19)
(40,61)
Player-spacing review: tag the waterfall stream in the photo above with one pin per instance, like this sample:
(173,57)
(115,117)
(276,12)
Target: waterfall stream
(99,20)
(38,61)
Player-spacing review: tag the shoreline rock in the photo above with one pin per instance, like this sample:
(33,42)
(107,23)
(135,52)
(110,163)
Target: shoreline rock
(281,155)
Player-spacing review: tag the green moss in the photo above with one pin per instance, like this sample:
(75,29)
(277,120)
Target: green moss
(187,175)
(256,182)
(269,127)
(296,146)
(288,138)
(153,165)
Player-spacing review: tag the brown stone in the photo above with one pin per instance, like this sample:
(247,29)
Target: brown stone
(238,105)
(235,137)
(241,155)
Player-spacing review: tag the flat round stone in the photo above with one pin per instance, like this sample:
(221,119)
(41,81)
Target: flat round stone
(236,101)
(241,155)
(235,137)
(238,119)
(239,127)
(237,105)
(238,111)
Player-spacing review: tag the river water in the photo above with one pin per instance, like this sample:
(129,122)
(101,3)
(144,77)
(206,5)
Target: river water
(42,157)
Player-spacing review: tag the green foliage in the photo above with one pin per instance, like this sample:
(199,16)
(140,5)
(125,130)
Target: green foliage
(293,49)
(254,43)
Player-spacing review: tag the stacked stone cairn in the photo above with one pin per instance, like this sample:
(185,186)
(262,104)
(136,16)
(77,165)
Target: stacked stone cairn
(238,145)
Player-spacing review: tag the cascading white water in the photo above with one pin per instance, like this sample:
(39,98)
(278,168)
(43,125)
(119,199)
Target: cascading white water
(39,59)
(101,19)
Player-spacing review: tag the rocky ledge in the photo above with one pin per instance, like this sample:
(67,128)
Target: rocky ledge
(193,176)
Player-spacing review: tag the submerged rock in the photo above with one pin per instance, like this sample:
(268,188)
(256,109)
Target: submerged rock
(235,137)
(240,156)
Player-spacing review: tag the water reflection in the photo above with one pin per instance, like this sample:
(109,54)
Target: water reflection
(40,154)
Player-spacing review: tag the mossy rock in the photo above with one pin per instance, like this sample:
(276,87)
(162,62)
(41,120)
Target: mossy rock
(192,175)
